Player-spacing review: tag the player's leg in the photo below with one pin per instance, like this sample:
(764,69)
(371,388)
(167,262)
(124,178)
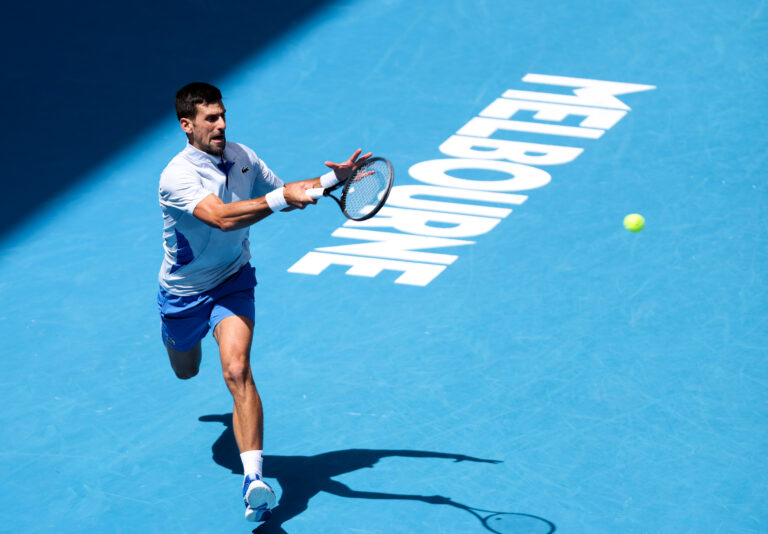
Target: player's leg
(185,364)
(232,321)
(234,334)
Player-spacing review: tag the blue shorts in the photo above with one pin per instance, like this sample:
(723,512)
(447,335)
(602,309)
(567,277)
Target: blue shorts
(186,320)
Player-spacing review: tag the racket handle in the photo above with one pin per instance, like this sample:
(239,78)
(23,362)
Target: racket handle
(315,192)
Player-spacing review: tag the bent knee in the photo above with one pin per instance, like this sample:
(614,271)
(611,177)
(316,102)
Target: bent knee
(237,373)
(186,373)
(185,364)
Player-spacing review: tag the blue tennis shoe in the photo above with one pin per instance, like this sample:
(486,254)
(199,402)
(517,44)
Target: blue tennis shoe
(259,499)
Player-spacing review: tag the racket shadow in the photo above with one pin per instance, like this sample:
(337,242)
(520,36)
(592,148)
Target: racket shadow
(303,477)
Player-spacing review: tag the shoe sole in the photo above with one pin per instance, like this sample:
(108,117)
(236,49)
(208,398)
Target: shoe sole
(259,494)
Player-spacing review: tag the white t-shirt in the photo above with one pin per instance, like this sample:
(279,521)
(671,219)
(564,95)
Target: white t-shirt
(199,257)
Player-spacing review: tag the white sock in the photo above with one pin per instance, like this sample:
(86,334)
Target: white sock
(252,462)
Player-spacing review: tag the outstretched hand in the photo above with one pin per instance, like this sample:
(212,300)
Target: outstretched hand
(345,170)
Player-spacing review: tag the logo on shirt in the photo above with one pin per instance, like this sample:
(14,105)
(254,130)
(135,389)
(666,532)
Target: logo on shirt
(245,169)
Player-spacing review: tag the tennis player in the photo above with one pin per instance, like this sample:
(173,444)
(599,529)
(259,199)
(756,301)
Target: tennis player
(210,194)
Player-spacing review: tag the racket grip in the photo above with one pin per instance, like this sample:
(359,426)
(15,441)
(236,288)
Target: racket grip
(315,192)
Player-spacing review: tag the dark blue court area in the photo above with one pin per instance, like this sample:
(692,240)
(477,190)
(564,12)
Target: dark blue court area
(492,353)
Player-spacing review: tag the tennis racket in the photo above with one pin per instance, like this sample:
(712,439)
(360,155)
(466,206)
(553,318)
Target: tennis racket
(364,193)
(500,522)
(510,522)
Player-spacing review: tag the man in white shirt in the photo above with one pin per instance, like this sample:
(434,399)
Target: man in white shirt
(210,194)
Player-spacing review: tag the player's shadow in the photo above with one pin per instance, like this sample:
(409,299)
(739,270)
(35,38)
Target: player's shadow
(303,477)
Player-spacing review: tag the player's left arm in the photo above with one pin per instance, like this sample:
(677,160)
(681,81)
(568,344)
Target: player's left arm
(341,171)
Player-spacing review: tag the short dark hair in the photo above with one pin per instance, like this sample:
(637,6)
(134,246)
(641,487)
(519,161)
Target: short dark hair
(189,96)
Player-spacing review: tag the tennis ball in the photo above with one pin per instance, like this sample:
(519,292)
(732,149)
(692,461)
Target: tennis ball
(634,222)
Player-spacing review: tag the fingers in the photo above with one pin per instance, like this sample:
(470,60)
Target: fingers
(307,185)
(296,194)
(357,162)
(354,162)
(354,156)
(306,199)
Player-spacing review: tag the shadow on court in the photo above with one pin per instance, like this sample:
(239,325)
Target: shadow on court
(303,477)
(81,81)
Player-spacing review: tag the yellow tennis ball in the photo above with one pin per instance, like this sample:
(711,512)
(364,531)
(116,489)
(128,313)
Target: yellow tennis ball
(634,222)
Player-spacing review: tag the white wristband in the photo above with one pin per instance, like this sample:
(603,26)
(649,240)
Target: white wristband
(276,199)
(328,180)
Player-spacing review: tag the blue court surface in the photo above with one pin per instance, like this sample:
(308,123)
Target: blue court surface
(494,352)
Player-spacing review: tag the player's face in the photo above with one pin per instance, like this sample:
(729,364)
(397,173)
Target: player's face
(206,130)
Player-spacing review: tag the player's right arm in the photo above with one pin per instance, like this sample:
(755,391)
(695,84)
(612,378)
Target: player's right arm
(235,215)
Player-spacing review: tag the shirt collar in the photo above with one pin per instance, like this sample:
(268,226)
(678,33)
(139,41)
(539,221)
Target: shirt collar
(198,156)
